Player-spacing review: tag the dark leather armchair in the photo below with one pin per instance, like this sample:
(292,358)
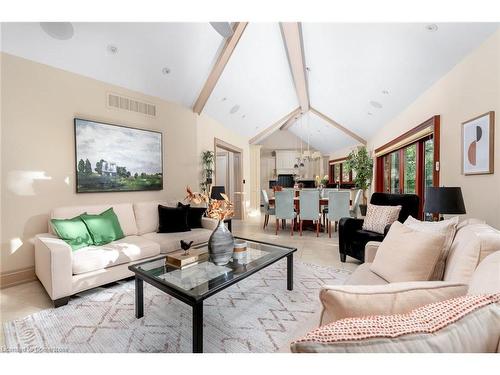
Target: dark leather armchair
(352,238)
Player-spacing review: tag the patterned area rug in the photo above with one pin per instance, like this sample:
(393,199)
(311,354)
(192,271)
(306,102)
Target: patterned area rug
(257,314)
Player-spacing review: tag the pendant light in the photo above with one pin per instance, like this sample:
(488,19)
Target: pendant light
(301,158)
(296,165)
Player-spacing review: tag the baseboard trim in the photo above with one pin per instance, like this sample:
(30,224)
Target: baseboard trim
(21,276)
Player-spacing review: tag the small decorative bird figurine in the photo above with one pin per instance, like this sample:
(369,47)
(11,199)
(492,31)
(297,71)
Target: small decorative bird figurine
(185,246)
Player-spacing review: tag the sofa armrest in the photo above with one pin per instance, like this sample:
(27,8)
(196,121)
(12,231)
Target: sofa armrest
(347,227)
(53,265)
(209,223)
(350,301)
(371,250)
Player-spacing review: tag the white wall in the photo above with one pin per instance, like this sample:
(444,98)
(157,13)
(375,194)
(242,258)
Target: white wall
(470,89)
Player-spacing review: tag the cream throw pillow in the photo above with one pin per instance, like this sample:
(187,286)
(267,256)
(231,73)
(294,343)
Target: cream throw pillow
(407,254)
(378,217)
(446,227)
(351,301)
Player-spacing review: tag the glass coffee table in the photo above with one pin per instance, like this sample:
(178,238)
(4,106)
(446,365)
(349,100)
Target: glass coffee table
(193,284)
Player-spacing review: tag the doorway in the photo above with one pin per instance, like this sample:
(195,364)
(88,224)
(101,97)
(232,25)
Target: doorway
(229,172)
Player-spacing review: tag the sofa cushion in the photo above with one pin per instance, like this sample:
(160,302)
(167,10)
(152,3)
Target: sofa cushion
(128,249)
(446,227)
(171,241)
(486,278)
(440,327)
(378,217)
(104,228)
(72,231)
(172,219)
(194,215)
(124,212)
(351,301)
(407,254)
(472,244)
(364,276)
(146,215)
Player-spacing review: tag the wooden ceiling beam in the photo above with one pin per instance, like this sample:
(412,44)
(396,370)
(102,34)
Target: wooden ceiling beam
(292,38)
(221,62)
(292,120)
(335,124)
(272,128)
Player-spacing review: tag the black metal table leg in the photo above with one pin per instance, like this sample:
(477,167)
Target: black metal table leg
(139,298)
(289,272)
(198,327)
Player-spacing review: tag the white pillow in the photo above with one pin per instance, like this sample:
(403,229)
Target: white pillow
(446,227)
(406,254)
(378,217)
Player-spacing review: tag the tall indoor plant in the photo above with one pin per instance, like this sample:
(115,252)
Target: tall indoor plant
(361,164)
(207,164)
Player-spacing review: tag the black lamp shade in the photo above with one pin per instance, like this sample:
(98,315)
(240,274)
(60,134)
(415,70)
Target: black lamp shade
(216,193)
(444,200)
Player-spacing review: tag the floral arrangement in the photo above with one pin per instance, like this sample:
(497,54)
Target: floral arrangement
(216,209)
(322,181)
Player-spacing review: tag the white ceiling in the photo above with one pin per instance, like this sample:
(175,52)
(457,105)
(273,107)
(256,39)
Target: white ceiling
(144,49)
(350,66)
(320,134)
(258,79)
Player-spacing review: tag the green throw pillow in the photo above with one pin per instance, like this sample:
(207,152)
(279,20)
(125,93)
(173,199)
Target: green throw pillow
(73,231)
(104,228)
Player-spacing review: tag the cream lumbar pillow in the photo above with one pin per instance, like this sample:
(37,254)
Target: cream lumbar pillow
(446,227)
(406,254)
(378,217)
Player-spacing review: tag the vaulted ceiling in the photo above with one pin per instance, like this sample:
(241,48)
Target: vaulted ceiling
(358,76)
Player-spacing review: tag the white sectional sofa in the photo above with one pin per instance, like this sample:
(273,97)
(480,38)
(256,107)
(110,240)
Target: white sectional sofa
(64,272)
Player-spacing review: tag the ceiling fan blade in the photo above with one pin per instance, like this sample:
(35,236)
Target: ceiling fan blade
(223,28)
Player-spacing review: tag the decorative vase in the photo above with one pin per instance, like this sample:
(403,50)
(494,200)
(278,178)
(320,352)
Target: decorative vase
(221,245)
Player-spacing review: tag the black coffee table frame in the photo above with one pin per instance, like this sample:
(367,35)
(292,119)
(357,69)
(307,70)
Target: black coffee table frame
(196,302)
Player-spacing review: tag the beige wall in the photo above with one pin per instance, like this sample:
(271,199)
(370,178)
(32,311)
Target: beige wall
(37,150)
(207,130)
(471,88)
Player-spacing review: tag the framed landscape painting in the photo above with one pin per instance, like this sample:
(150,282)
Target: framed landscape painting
(478,146)
(112,158)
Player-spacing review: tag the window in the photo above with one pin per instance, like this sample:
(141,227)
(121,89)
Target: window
(339,174)
(406,164)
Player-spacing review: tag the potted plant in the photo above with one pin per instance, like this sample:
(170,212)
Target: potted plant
(361,164)
(221,242)
(207,163)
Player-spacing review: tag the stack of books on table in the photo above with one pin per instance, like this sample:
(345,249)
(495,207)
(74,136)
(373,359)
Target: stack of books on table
(179,259)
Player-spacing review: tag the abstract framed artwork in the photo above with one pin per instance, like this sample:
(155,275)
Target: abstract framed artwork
(112,158)
(478,137)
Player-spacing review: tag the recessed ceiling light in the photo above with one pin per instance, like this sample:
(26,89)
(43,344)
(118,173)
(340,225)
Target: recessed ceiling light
(234,109)
(431,27)
(58,30)
(375,104)
(385,92)
(111,48)
(165,70)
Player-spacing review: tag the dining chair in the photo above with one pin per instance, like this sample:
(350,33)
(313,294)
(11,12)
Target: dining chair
(268,210)
(338,207)
(354,211)
(324,194)
(284,208)
(309,208)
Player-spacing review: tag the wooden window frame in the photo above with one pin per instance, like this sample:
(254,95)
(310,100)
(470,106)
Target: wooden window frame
(418,135)
(331,176)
